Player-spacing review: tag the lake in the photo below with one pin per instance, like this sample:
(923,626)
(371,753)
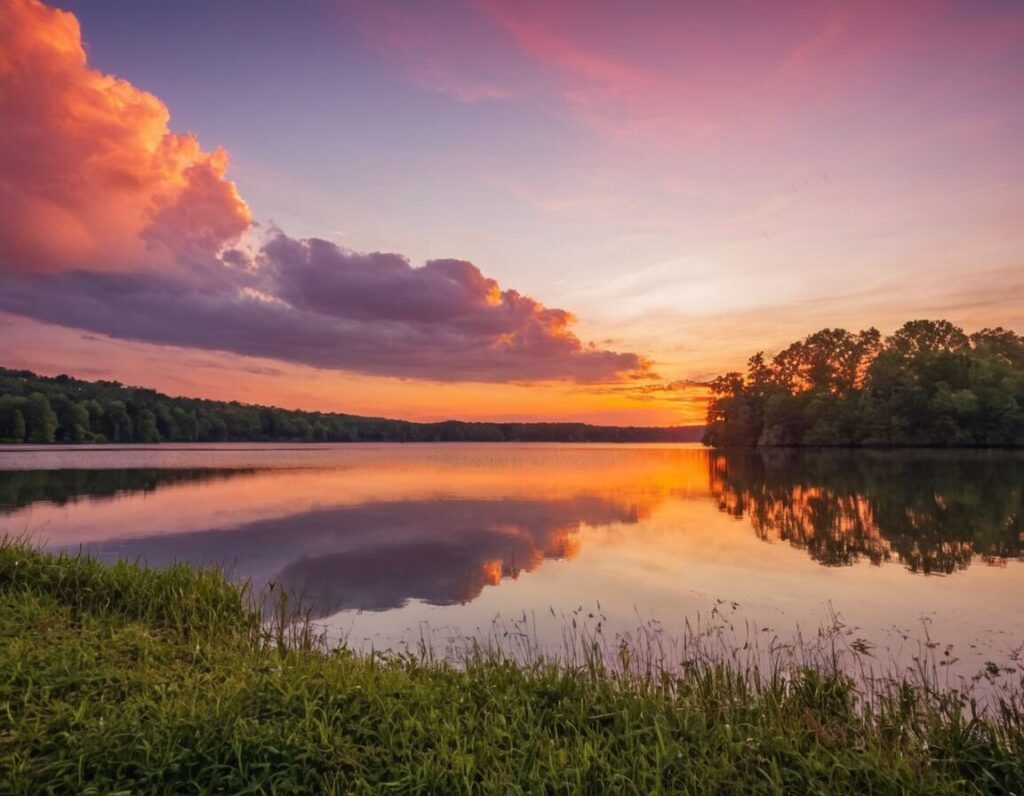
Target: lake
(391,544)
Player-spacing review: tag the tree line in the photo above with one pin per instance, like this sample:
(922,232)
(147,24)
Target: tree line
(928,384)
(38,409)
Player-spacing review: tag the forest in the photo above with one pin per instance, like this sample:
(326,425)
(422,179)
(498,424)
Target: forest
(928,384)
(39,409)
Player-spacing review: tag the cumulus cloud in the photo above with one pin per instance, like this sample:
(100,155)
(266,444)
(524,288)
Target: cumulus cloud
(113,224)
(312,302)
(90,174)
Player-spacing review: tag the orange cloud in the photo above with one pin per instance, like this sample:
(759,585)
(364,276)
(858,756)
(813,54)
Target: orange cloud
(90,175)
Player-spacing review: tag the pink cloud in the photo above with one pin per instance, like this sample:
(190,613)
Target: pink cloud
(441,52)
(90,174)
(694,75)
(442,80)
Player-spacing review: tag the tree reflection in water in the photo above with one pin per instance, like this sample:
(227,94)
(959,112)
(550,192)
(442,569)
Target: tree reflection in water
(19,488)
(934,512)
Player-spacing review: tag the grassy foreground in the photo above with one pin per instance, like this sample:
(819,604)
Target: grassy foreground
(122,679)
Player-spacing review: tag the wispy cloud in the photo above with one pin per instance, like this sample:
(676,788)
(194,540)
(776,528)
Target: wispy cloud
(442,80)
(437,52)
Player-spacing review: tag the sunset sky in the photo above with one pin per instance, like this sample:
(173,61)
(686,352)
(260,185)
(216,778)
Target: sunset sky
(496,210)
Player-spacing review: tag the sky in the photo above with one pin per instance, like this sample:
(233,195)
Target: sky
(497,210)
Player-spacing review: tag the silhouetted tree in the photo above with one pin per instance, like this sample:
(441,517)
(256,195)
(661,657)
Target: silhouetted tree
(927,384)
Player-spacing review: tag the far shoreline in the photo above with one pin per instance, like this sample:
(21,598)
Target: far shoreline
(31,447)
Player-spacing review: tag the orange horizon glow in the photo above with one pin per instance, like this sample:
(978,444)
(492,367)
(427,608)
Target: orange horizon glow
(182,372)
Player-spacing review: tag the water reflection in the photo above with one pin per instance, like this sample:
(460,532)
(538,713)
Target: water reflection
(377,556)
(375,528)
(935,512)
(19,488)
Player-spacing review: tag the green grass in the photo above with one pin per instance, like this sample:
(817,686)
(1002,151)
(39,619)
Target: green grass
(122,679)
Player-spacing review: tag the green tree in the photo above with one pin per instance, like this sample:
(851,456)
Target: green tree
(188,426)
(12,418)
(929,383)
(145,427)
(166,422)
(40,420)
(117,425)
(72,418)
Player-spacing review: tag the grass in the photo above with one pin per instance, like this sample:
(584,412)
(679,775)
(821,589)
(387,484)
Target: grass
(119,679)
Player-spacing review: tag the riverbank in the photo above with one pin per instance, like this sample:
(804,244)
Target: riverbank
(166,681)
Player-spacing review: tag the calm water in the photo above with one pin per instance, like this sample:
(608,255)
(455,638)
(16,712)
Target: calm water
(388,540)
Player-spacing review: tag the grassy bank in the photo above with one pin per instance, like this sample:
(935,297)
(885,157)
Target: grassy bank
(123,679)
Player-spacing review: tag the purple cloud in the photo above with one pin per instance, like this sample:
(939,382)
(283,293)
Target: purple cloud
(312,302)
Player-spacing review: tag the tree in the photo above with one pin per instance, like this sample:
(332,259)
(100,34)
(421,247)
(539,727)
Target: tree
(166,422)
(929,383)
(117,425)
(17,426)
(145,427)
(12,419)
(72,418)
(928,337)
(188,426)
(40,421)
